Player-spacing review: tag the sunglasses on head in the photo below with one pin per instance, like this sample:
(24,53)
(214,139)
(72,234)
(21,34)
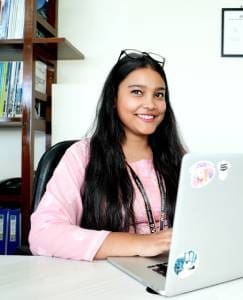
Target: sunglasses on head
(134,54)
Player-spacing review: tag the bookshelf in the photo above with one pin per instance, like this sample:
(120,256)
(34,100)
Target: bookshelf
(48,49)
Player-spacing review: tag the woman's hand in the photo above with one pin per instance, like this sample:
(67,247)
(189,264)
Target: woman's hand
(154,244)
(130,244)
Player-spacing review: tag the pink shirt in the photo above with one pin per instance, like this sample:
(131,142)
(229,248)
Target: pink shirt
(55,229)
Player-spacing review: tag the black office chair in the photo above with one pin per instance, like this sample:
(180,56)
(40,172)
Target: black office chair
(45,169)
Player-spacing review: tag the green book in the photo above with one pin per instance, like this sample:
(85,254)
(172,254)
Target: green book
(4,67)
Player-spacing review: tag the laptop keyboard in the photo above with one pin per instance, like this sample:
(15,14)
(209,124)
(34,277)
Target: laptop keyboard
(159,268)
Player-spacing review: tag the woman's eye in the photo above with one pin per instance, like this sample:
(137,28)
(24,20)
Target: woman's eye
(160,95)
(137,92)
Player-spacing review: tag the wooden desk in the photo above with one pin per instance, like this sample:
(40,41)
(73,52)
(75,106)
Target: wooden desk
(34,278)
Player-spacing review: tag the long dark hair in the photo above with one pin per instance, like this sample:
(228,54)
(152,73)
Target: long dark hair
(107,192)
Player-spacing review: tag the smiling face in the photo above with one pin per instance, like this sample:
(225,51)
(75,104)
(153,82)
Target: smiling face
(141,102)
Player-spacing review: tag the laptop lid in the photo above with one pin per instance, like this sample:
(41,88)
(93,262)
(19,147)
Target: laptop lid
(206,245)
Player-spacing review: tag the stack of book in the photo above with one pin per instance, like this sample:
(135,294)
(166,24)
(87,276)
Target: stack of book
(11,79)
(10,230)
(11,19)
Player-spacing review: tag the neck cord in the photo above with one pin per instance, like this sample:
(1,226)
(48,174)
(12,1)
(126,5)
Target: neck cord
(163,218)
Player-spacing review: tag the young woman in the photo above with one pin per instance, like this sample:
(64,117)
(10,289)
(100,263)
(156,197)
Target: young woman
(114,193)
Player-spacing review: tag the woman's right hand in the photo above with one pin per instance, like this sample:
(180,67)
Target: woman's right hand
(132,244)
(153,244)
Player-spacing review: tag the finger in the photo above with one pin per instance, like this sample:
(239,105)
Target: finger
(166,232)
(166,246)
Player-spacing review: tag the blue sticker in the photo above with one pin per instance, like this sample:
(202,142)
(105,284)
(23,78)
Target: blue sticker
(186,264)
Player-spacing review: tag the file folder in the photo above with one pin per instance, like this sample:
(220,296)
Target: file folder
(14,230)
(3,230)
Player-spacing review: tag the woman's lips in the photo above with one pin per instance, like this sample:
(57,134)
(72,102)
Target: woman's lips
(146,117)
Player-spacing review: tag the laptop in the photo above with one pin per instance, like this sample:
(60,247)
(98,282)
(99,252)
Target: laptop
(207,243)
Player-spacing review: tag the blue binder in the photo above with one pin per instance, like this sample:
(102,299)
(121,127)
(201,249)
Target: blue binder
(3,230)
(14,230)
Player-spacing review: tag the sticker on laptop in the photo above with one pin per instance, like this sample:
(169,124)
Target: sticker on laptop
(202,172)
(186,264)
(223,169)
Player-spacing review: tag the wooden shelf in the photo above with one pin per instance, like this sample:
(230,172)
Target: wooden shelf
(48,49)
(40,96)
(60,48)
(10,199)
(55,48)
(11,50)
(39,124)
(10,122)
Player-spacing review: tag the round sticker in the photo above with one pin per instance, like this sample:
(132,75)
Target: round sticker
(186,264)
(202,172)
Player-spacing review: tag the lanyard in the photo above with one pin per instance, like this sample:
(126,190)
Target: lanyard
(163,219)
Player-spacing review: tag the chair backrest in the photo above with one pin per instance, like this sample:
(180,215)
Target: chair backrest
(46,166)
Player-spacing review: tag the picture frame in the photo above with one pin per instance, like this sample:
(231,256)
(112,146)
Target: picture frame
(232,32)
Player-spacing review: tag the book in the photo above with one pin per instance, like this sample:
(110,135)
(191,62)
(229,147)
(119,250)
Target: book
(12,19)
(40,110)
(3,89)
(7,88)
(40,33)
(40,76)
(10,96)
(42,8)
(19,30)
(2,2)
(18,94)
(3,230)
(11,81)
(4,20)
(14,230)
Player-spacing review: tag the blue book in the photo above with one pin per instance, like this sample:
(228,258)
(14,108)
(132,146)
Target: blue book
(1,87)
(4,20)
(1,67)
(14,231)
(7,88)
(18,94)
(3,230)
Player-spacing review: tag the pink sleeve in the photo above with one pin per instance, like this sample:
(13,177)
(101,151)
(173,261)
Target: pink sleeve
(55,229)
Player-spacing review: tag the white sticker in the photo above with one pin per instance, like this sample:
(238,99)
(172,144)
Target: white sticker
(202,172)
(13,221)
(223,169)
(186,264)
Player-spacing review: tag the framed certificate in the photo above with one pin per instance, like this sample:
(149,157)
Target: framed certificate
(232,32)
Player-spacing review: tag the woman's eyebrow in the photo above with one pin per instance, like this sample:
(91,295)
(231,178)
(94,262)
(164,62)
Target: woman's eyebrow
(162,88)
(144,86)
(136,85)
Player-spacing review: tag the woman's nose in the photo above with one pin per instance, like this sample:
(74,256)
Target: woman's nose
(149,102)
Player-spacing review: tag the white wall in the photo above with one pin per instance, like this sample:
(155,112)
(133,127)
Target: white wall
(74,109)
(10,151)
(206,89)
